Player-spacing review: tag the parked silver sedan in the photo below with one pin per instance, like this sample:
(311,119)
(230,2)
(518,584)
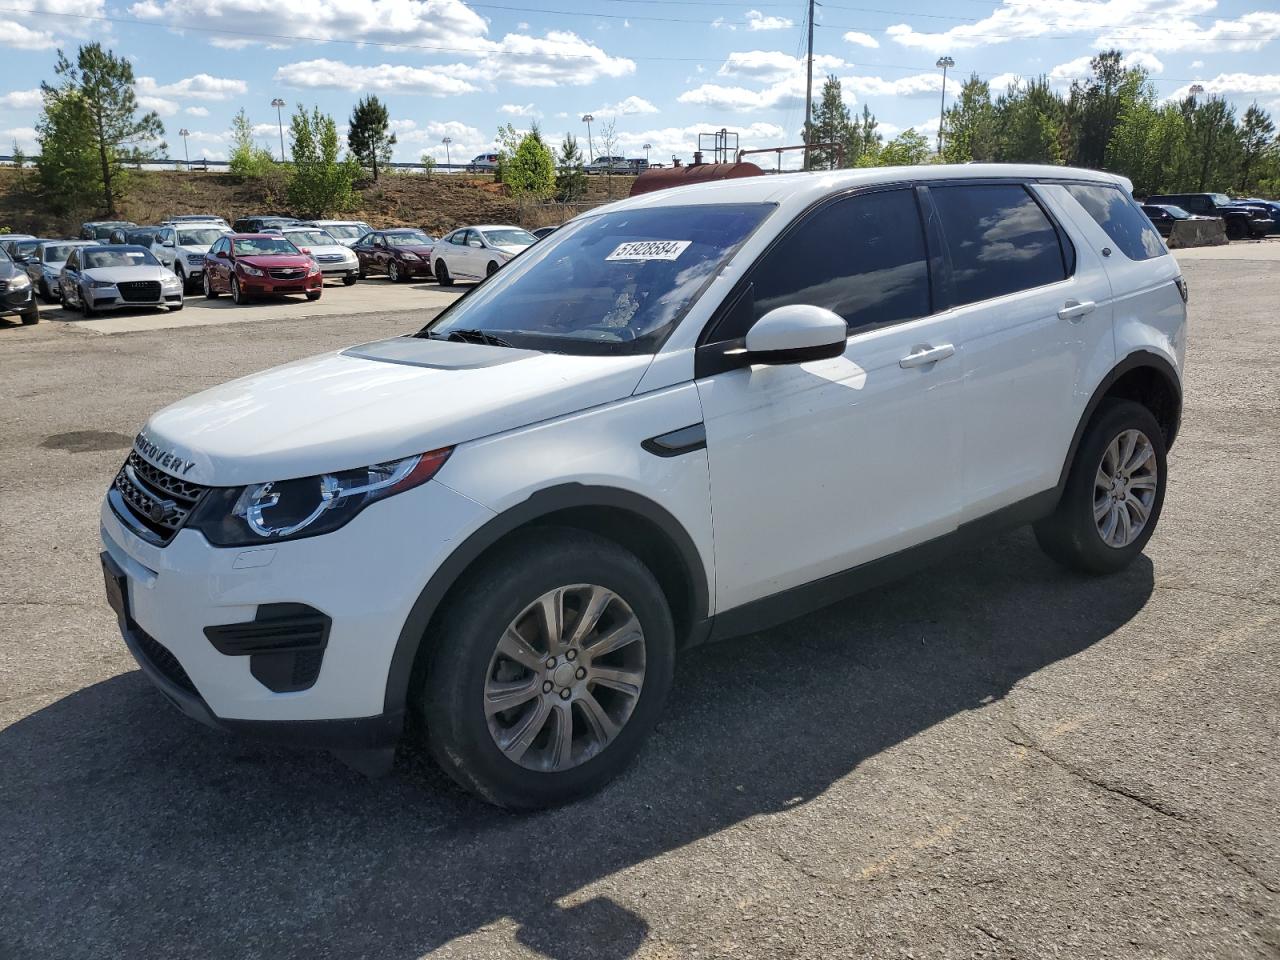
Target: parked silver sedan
(116,276)
(45,265)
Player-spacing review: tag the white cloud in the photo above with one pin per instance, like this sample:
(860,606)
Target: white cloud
(1003,81)
(161,105)
(200,87)
(758,21)
(197,111)
(384,78)
(1163,25)
(719,22)
(861,39)
(465,141)
(783,94)
(520,110)
(16,35)
(1079,67)
(916,85)
(767,65)
(1197,64)
(559,58)
(629,107)
(24,136)
(22,99)
(447,22)
(1235,84)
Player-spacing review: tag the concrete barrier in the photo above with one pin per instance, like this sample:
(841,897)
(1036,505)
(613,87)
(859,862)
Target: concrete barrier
(1197,233)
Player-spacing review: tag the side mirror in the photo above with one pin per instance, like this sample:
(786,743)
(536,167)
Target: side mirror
(796,334)
(474,243)
(167,243)
(307,251)
(221,255)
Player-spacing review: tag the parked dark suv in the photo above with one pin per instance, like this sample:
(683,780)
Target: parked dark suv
(261,223)
(1243,222)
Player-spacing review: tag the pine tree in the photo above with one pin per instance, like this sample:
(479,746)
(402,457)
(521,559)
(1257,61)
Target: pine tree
(95,105)
(830,123)
(971,125)
(1258,147)
(369,136)
(531,171)
(571,180)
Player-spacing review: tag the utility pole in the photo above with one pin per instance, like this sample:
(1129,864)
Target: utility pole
(808,89)
(184,133)
(943,62)
(587,118)
(278,103)
(448,159)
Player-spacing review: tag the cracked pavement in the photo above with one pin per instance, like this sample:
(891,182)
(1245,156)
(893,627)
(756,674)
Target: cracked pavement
(991,758)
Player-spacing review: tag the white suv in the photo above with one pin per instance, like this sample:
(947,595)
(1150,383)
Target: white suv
(181,247)
(682,417)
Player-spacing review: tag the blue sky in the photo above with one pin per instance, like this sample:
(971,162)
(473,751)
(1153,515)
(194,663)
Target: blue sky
(661,70)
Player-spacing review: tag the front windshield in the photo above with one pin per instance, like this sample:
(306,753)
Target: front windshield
(311,238)
(4,257)
(23,248)
(346,231)
(1177,212)
(59,252)
(257,245)
(408,239)
(104,230)
(203,237)
(613,283)
(118,257)
(509,238)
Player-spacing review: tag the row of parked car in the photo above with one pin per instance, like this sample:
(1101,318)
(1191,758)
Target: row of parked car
(119,264)
(1246,218)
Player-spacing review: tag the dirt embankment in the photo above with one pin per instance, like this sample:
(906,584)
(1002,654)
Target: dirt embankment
(436,203)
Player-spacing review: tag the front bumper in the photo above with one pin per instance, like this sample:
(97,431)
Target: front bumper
(270,287)
(18,301)
(363,577)
(109,298)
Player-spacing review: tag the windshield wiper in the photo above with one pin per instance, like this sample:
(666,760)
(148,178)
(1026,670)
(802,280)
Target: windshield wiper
(470,336)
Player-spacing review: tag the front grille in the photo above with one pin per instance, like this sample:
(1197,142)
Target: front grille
(289,273)
(331,258)
(157,500)
(139,291)
(195,259)
(164,661)
(4,285)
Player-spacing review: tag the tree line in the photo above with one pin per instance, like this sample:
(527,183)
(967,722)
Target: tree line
(1111,120)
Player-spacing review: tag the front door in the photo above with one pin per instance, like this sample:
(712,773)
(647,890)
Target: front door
(822,466)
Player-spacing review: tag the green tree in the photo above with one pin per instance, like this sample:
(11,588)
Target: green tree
(1215,140)
(67,166)
(864,139)
(1029,124)
(95,97)
(1258,148)
(321,182)
(428,163)
(1095,106)
(369,137)
(247,159)
(531,171)
(905,150)
(19,156)
(830,123)
(571,178)
(970,128)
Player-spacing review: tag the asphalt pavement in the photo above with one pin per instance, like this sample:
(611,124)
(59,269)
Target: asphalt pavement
(990,758)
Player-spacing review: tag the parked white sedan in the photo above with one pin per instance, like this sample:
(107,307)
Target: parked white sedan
(337,261)
(473,253)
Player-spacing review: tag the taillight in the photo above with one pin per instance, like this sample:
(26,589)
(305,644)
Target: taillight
(1182,288)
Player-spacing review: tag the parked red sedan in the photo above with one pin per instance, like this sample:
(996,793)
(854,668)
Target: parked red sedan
(248,265)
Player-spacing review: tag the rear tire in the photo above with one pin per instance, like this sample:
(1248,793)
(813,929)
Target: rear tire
(442,274)
(1236,229)
(1106,494)
(583,709)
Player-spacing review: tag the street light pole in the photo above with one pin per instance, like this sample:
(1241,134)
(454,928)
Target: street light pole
(185,155)
(944,63)
(278,104)
(448,159)
(587,118)
(647,148)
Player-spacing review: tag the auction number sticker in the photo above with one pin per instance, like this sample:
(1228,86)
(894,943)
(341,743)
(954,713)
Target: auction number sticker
(650,250)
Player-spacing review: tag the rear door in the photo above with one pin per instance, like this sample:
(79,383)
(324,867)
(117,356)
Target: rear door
(822,466)
(1033,317)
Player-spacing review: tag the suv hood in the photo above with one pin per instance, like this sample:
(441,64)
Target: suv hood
(377,402)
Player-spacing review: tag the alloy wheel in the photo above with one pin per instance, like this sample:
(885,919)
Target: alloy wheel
(1124,488)
(393,272)
(565,678)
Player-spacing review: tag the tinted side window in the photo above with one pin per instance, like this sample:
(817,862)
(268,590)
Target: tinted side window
(862,257)
(1125,225)
(998,239)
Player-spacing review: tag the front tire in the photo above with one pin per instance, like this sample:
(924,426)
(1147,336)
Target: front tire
(209,292)
(313,295)
(491,269)
(547,669)
(31,316)
(1114,492)
(348,280)
(442,274)
(393,272)
(238,296)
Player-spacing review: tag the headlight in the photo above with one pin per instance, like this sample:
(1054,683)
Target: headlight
(171,280)
(251,271)
(410,256)
(20,282)
(101,284)
(290,509)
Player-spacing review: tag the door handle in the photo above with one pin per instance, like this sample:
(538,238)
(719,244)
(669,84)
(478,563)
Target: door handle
(1074,310)
(924,355)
